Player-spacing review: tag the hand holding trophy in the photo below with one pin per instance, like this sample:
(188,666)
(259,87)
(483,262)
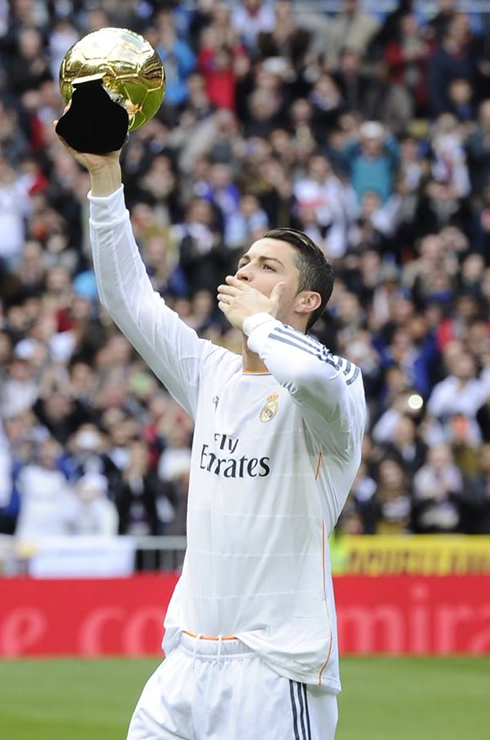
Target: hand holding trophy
(115,82)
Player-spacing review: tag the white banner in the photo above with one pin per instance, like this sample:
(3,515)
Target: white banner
(78,557)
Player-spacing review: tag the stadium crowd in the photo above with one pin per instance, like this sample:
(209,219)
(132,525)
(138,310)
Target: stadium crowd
(371,133)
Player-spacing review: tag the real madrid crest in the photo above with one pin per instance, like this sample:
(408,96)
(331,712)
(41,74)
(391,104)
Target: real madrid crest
(270,409)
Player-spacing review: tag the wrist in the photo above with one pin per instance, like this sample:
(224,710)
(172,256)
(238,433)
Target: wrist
(106,179)
(255,320)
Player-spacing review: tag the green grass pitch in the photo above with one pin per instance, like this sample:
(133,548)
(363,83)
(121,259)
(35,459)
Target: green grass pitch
(383,698)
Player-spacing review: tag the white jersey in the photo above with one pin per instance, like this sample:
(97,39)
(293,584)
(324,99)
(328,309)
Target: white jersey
(274,456)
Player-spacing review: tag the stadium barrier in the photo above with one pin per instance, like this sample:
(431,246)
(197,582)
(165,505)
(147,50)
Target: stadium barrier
(65,557)
(404,614)
(439,555)
(350,555)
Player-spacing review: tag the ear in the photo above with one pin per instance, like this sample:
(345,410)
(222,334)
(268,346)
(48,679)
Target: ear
(306,302)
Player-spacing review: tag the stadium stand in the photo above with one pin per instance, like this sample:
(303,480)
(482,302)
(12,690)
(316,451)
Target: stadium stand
(368,130)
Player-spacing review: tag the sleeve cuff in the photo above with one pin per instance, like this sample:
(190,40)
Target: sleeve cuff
(257,319)
(107,210)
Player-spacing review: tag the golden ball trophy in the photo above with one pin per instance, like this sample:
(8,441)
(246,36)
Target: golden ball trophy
(115,81)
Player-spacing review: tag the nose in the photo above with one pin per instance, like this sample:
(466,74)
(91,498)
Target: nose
(244,274)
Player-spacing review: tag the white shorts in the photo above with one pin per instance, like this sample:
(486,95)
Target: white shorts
(221,690)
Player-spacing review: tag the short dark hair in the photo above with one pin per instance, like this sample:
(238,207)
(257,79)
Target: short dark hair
(315,271)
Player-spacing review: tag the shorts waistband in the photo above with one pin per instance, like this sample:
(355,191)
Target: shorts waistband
(213,646)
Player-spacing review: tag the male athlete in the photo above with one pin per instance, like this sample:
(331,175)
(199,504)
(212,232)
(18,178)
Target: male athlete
(250,641)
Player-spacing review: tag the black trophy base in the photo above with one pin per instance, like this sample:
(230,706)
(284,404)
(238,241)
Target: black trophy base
(93,123)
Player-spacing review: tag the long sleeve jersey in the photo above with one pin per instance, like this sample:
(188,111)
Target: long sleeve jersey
(274,455)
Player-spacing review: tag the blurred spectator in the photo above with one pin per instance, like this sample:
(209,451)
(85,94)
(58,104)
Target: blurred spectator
(322,193)
(92,514)
(14,144)
(399,403)
(30,66)
(408,55)
(20,390)
(353,82)
(350,29)
(203,257)
(371,161)
(478,148)
(177,488)
(482,223)
(383,217)
(328,104)
(246,224)
(219,59)
(461,392)
(460,95)
(454,58)
(438,487)
(88,454)
(251,18)
(393,499)
(178,60)
(406,448)
(176,456)
(222,193)
(449,159)
(388,101)
(141,502)
(290,36)
(61,38)
(60,414)
(159,187)
(428,271)
(477,496)
(439,23)
(45,496)
(15,205)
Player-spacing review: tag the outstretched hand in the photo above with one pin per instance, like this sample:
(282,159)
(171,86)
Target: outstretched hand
(238,300)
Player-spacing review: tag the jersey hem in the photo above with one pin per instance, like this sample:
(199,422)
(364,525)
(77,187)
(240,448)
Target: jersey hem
(330,685)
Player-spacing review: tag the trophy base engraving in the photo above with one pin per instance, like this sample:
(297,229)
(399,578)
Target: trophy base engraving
(93,123)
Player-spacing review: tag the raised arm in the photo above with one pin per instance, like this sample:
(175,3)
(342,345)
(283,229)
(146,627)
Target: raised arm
(171,348)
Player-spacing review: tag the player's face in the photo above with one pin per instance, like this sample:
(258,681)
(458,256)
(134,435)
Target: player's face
(268,262)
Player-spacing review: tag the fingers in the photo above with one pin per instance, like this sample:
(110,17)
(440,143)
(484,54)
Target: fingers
(277,292)
(237,285)
(223,298)
(232,280)
(223,307)
(228,290)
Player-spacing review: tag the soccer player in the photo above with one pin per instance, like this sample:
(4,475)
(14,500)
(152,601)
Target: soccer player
(250,640)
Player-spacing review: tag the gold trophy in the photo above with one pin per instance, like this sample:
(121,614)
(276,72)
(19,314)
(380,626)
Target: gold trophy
(115,81)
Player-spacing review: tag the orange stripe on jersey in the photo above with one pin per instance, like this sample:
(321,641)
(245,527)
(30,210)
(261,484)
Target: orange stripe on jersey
(326,605)
(204,637)
(254,372)
(318,465)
